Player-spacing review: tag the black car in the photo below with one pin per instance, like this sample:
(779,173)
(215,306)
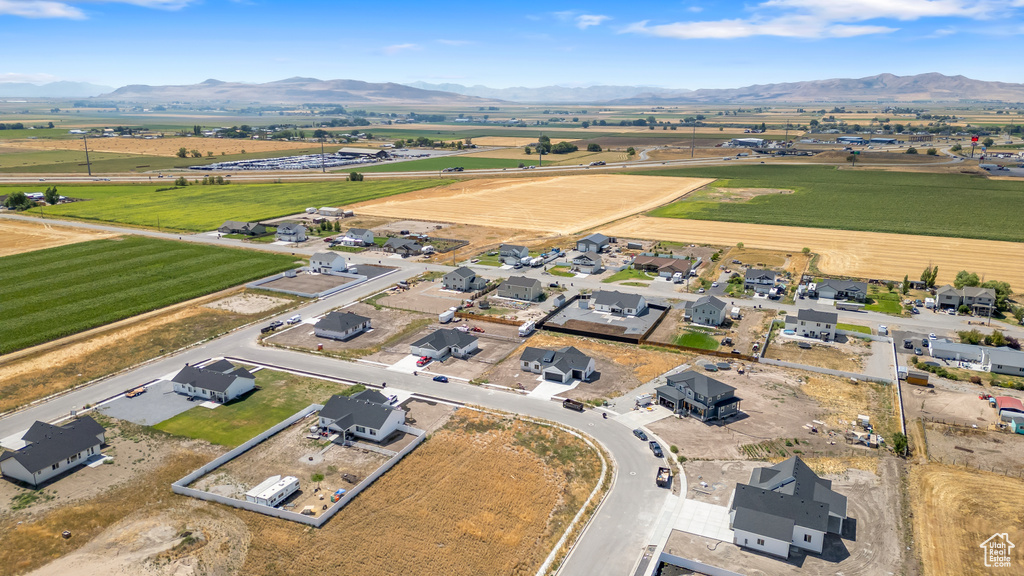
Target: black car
(440,378)
(640,434)
(656,448)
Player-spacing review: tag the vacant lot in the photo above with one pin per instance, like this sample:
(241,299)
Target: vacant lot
(844,253)
(873,201)
(846,356)
(552,205)
(387,324)
(969,506)
(19,236)
(61,291)
(199,208)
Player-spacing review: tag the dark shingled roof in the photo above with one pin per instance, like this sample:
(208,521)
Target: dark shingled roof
(521,281)
(788,492)
(441,339)
(808,315)
(209,379)
(564,359)
(359,411)
(699,383)
(340,321)
(49,444)
(221,365)
(462,272)
(616,298)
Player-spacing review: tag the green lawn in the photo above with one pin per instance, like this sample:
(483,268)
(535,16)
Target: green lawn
(438,164)
(886,303)
(279,396)
(697,339)
(627,274)
(198,208)
(853,328)
(48,294)
(563,271)
(956,205)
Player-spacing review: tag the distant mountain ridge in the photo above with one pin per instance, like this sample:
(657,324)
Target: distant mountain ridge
(554,94)
(51,90)
(288,91)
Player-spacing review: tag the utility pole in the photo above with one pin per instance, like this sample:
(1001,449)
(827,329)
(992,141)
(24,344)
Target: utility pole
(88,166)
(322,168)
(693,140)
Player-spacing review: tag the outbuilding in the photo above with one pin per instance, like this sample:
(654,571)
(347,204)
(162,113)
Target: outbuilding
(273,490)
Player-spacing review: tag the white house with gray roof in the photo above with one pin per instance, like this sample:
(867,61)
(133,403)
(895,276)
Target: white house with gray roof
(362,236)
(221,382)
(587,263)
(52,450)
(463,279)
(327,263)
(594,243)
(1007,361)
(562,365)
(760,281)
(706,310)
(341,325)
(521,288)
(785,505)
(841,290)
(447,341)
(366,415)
(512,254)
(620,303)
(813,324)
(290,232)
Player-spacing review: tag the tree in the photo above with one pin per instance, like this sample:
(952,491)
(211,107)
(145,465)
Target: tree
(564,148)
(929,275)
(630,151)
(905,287)
(209,154)
(987,142)
(317,478)
(911,150)
(806,250)
(181,181)
(337,226)
(652,120)
(1018,313)
(528,150)
(585,124)
(956,147)
(355,177)
(17,201)
(931,152)
(51,196)
(1003,292)
(899,443)
(996,339)
(196,154)
(739,245)
(593,147)
(965,278)
(963,310)
(182,153)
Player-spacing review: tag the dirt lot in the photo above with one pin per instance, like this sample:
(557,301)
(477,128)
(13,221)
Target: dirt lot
(387,323)
(843,252)
(19,236)
(248,303)
(752,327)
(848,356)
(511,141)
(619,367)
(872,542)
(484,202)
(307,283)
(980,448)
(429,297)
(161,146)
(495,344)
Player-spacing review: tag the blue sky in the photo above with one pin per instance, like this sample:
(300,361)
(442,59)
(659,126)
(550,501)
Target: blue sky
(682,44)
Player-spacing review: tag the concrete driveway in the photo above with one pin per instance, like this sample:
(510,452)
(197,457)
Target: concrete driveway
(159,403)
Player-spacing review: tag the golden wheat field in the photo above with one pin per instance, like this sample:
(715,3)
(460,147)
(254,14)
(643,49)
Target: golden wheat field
(558,205)
(162,146)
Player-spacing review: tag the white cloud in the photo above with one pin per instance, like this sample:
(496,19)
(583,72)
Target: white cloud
(35,78)
(70,10)
(584,21)
(397,48)
(695,9)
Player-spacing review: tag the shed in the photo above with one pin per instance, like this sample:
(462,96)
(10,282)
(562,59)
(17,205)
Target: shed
(1017,424)
(919,378)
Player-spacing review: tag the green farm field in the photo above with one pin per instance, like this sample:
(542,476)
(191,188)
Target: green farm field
(199,208)
(957,205)
(438,164)
(57,292)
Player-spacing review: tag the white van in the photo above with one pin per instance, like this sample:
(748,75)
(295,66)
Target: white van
(295,319)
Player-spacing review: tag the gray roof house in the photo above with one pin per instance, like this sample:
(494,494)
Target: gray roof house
(361,234)
(291,232)
(785,505)
(593,243)
(247,228)
(366,415)
(981,301)
(813,324)
(760,281)
(327,263)
(521,288)
(52,450)
(441,343)
(587,263)
(463,279)
(622,303)
(512,254)
(706,310)
(698,395)
(1003,360)
(402,246)
(213,383)
(560,365)
(341,325)
(842,290)
(956,351)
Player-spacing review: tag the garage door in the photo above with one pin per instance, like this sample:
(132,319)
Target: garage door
(666,403)
(552,377)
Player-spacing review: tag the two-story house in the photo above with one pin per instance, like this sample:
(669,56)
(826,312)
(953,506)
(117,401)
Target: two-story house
(813,324)
(360,236)
(463,279)
(706,310)
(760,281)
(587,263)
(327,263)
(290,232)
(699,396)
(521,288)
(512,254)
(981,301)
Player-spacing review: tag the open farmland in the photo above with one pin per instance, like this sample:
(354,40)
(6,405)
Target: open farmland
(200,208)
(20,236)
(60,291)
(436,164)
(874,201)
(562,204)
(161,146)
(857,254)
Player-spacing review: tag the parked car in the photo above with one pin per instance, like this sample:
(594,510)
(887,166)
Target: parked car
(276,324)
(423,361)
(918,351)
(714,284)
(440,379)
(701,291)
(932,336)
(656,448)
(640,434)
(476,329)
(915,311)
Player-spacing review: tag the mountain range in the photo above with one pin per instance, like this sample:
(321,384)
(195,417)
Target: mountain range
(51,90)
(555,94)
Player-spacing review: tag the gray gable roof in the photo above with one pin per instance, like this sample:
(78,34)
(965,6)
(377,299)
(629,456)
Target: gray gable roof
(790,489)
(289,227)
(708,299)
(522,281)
(357,231)
(945,289)
(209,379)
(1006,356)
(808,315)
(221,365)
(49,444)
(511,248)
(340,321)
(844,285)
(587,258)
(399,243)
(326,257)
(755,274)
(565,359)
(462,272)
(616,298)
(700,383)
(351,411)
(596,238)
(441,339)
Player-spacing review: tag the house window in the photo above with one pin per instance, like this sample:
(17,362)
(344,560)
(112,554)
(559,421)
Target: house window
(55,466)
(360,429)
(373,432)
(807,537)
(760,541)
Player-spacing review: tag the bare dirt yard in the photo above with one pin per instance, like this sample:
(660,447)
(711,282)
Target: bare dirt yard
(20,236)
(619,367)
(484,202)
(429,297)
(387,324)
(496,343)
(981,448)
(248,303)
(307,283)
(872,541)
(161,146)
(843,252)
(848,356)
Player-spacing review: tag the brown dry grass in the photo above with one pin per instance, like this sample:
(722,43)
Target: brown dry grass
(756,257)
(484,495)
(843,252)
(843,400)
(822,355)
(823,465)
(514,141)
(698,152)
(956,509)
(561,204)
(20,236)
(161,146)
(644,364)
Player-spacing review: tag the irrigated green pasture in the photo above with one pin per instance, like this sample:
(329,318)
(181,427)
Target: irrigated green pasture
(49,294)
(197,208)
(438,164)
(957,205)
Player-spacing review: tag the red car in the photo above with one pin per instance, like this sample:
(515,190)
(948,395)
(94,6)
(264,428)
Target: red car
(328,239)
(477,329)
(423,361)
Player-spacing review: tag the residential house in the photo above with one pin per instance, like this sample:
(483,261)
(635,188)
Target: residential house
(699,396)
(247,228)
(440,343)
(665,267)
(706,310)
(363,236)
(521,288)
(786,505)
(760,281)
(981,301)
(595,243)
(402,246)
(214,383)
(619,303)
(841,290)
(341,325)
(946,350)
(511,254)
(1006,361)
(51,450)
(464,280)
(587,263)
(813,324)
(366,415)
(947,297)
(290,232)
(328,263)
(562,365)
